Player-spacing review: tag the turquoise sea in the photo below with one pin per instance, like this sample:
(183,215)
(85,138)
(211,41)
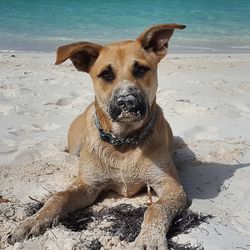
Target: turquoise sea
(213,26)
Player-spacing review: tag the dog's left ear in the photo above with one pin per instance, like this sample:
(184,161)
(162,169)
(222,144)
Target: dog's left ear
(82,54)
(156,38)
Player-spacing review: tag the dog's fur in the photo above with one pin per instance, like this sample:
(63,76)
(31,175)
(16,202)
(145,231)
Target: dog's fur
(124,169)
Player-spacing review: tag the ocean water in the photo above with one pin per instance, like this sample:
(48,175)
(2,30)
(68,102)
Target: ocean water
(213,26)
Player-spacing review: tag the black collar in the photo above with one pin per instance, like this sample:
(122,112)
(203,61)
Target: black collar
(118,141)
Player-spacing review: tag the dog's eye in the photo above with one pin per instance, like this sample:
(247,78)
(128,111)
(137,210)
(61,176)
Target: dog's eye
(140,70)
(107,74)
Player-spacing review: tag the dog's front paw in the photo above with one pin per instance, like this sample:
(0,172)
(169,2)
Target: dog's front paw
(150,240)
(28,228)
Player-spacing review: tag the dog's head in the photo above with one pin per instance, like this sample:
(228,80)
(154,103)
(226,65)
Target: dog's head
(124,73)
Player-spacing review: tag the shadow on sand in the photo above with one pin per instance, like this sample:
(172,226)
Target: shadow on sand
(201,180)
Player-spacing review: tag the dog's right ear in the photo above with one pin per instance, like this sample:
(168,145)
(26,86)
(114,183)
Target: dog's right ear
(82,54)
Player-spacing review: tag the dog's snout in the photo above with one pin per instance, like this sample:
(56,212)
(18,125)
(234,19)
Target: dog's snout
(126,101)
(128,104)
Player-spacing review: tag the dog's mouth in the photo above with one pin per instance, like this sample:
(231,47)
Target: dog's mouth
(125,115)
(128,107)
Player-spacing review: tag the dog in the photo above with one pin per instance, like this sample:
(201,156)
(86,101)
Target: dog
(122,139)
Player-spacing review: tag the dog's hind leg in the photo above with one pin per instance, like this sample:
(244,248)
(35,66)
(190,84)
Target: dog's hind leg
(159,215)
(77,196)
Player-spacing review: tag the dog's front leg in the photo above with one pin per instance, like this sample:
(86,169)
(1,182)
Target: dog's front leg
(159,215)
(78,195)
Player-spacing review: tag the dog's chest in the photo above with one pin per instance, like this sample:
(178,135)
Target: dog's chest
(124,171)
(126,177)
(126,183)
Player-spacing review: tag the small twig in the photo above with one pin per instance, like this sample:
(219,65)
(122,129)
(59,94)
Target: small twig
(203,229)
(56,239)
(33,199)
(83,219)
(228,194)
(217,231)
(211,200)
(237,161)
(80,238)
(53,234)
(224,225)
(47,190)
(6,215)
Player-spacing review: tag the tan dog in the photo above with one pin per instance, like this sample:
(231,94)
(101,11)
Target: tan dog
(122,138)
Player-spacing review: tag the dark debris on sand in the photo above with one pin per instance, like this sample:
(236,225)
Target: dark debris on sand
(32,207)
(182,224)
(94,245)
(126,223)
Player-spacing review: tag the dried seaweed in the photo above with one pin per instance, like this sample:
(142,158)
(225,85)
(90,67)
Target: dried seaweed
(187,220)
(125,223)
(187,246)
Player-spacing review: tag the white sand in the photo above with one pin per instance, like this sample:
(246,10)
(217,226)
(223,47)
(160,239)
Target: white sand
(206,99)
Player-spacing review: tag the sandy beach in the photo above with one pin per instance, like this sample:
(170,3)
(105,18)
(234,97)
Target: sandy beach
(205,98)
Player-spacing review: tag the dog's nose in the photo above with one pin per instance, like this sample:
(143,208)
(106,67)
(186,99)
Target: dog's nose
(126,101)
